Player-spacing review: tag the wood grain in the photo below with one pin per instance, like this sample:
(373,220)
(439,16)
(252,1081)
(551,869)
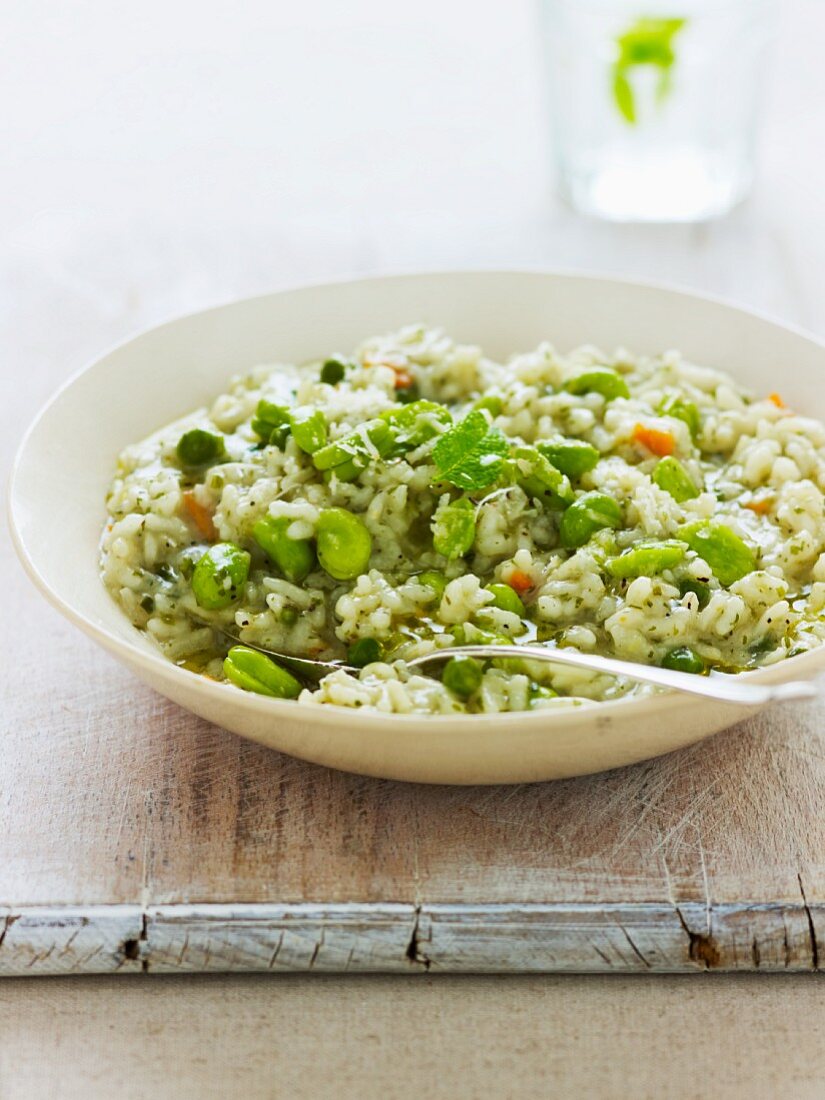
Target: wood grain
(393,938)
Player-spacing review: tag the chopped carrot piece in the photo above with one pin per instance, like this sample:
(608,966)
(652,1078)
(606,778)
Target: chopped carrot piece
(759,507)
(775,399)
(200,516)
(659,442)
(520,582)
(403,378)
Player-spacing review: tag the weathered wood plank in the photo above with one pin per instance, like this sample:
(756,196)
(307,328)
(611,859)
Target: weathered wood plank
(279,938)
(408,939)
(70,940)
(605,938)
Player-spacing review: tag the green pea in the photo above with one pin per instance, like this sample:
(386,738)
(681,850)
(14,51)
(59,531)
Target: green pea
(432,579)
(463,675)
(333,371)
(573,457)
(506,599)
(604,380)
(309,429)
(294,557)
(219,574)
(540,479)
(726,553)
(364,652)
(289,616)
(647,559)
(588,514)
(271,423)
(699,589)
(198,447)
(492,403)
(669,474)
(685,411)
(344,544)
(454,528)
(254,671)
(683,659)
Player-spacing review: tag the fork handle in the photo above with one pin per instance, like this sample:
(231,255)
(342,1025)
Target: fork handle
(719,686)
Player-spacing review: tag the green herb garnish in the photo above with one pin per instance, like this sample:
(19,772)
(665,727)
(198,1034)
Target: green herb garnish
(649,41)
(471,455)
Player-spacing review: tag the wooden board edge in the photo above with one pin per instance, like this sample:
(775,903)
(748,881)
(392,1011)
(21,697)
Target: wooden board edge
(405,938)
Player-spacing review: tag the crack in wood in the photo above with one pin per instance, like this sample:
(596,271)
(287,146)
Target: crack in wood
(136,948)
(316,949)
(634,948)
(273,958)
(702,948)
(811,926)
(414,951)
(605,958)
(7,923)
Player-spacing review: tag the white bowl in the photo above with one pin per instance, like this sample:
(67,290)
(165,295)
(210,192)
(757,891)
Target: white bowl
(66,461)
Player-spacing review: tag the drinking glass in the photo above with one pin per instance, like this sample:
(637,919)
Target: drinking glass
(655,105)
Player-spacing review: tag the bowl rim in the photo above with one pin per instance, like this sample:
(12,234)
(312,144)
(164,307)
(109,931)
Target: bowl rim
(331,715)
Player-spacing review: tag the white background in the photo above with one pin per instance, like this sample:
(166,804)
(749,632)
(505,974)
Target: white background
(157,157)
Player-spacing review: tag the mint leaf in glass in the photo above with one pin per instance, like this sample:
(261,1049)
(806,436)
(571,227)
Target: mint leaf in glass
(648,41)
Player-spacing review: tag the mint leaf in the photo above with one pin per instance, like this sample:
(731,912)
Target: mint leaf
(623,94)
(648,41)
(471,455)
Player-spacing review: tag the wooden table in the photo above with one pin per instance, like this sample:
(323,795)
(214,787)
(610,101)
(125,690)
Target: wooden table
(136,837)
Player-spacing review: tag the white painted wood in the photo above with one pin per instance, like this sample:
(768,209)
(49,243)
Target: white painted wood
(279,938)
(70,940)
(386,938)
(609,937)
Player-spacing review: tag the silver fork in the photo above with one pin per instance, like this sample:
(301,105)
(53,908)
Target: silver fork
(718,685)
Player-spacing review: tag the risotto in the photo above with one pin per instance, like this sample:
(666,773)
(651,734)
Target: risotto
(415,495)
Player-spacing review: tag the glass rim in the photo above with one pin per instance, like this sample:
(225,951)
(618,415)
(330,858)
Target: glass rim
(660,8)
